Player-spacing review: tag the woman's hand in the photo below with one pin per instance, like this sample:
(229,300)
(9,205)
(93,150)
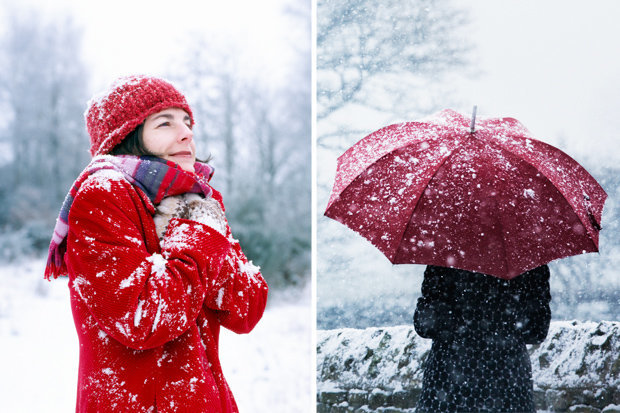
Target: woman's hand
(206,211)
(170,207)
(189,206)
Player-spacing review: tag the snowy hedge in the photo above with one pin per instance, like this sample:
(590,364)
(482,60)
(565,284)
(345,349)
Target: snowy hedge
(577,368)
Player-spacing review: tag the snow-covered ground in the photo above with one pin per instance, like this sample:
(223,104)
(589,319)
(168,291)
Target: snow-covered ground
(269,370)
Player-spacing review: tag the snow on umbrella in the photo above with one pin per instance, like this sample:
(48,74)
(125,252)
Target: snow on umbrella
(492,200)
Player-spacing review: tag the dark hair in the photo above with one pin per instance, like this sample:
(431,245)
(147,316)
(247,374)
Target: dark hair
(133,144)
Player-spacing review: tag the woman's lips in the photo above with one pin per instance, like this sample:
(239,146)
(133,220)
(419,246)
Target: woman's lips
(182,153)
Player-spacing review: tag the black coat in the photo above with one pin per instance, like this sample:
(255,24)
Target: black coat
(480,325)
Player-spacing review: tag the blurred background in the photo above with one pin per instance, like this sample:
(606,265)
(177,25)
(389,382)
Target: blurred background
(552,65)
(245,68)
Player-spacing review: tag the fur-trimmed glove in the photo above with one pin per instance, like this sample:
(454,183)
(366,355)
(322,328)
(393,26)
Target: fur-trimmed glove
(206,211)
(170,207)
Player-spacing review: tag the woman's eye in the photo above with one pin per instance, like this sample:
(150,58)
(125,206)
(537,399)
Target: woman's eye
(164,124)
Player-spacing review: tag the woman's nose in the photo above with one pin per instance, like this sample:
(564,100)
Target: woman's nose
(185,133)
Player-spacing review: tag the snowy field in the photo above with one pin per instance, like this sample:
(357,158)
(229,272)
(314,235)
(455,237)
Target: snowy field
(269,370)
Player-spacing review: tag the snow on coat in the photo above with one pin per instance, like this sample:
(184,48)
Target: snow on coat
(480,325)
(147,315)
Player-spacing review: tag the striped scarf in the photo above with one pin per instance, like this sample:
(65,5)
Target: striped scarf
(156,177)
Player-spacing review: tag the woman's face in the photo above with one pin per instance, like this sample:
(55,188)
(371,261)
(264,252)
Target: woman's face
(168,135)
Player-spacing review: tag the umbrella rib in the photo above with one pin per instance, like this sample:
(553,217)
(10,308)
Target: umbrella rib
(439,166)
(585,225)
(358,174)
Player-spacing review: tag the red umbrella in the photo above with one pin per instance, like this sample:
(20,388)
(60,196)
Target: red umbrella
(495,200)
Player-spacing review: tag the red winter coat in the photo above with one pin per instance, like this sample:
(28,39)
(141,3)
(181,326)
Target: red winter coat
(147,315)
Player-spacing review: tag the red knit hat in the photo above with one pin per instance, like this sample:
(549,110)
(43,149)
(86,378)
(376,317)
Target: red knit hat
(125,105)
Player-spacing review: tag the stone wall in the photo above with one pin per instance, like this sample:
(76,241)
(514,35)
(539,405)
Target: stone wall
(576,369)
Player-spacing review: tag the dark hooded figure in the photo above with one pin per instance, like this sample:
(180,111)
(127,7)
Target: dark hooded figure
(480,326)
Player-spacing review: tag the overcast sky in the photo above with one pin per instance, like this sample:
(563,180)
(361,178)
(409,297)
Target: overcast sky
(142,36)
(552,64)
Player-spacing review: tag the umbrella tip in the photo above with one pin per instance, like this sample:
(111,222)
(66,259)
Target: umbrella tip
(473,120)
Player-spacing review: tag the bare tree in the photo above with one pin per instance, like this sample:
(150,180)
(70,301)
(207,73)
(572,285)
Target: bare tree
(260,133)
(43,81)
(398,43)
(389,57)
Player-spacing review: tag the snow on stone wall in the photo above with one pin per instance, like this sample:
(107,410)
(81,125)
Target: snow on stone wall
(577,368)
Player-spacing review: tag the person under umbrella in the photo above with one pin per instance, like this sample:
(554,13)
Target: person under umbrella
(485,208)
(480,325)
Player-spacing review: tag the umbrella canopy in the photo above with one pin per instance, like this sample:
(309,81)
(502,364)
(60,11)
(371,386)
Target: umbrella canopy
(495,200)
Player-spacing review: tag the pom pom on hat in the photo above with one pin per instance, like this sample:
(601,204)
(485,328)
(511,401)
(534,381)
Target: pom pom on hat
(125,105)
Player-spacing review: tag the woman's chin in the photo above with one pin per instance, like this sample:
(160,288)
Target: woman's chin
(187,166)
(186,163)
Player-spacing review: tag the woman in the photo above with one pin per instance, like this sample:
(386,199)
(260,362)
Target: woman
(153,268)
(480,325)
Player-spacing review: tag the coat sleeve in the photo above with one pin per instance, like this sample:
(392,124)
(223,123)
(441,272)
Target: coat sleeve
(141,299)
(533,314)
(239,293)
(434,315)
